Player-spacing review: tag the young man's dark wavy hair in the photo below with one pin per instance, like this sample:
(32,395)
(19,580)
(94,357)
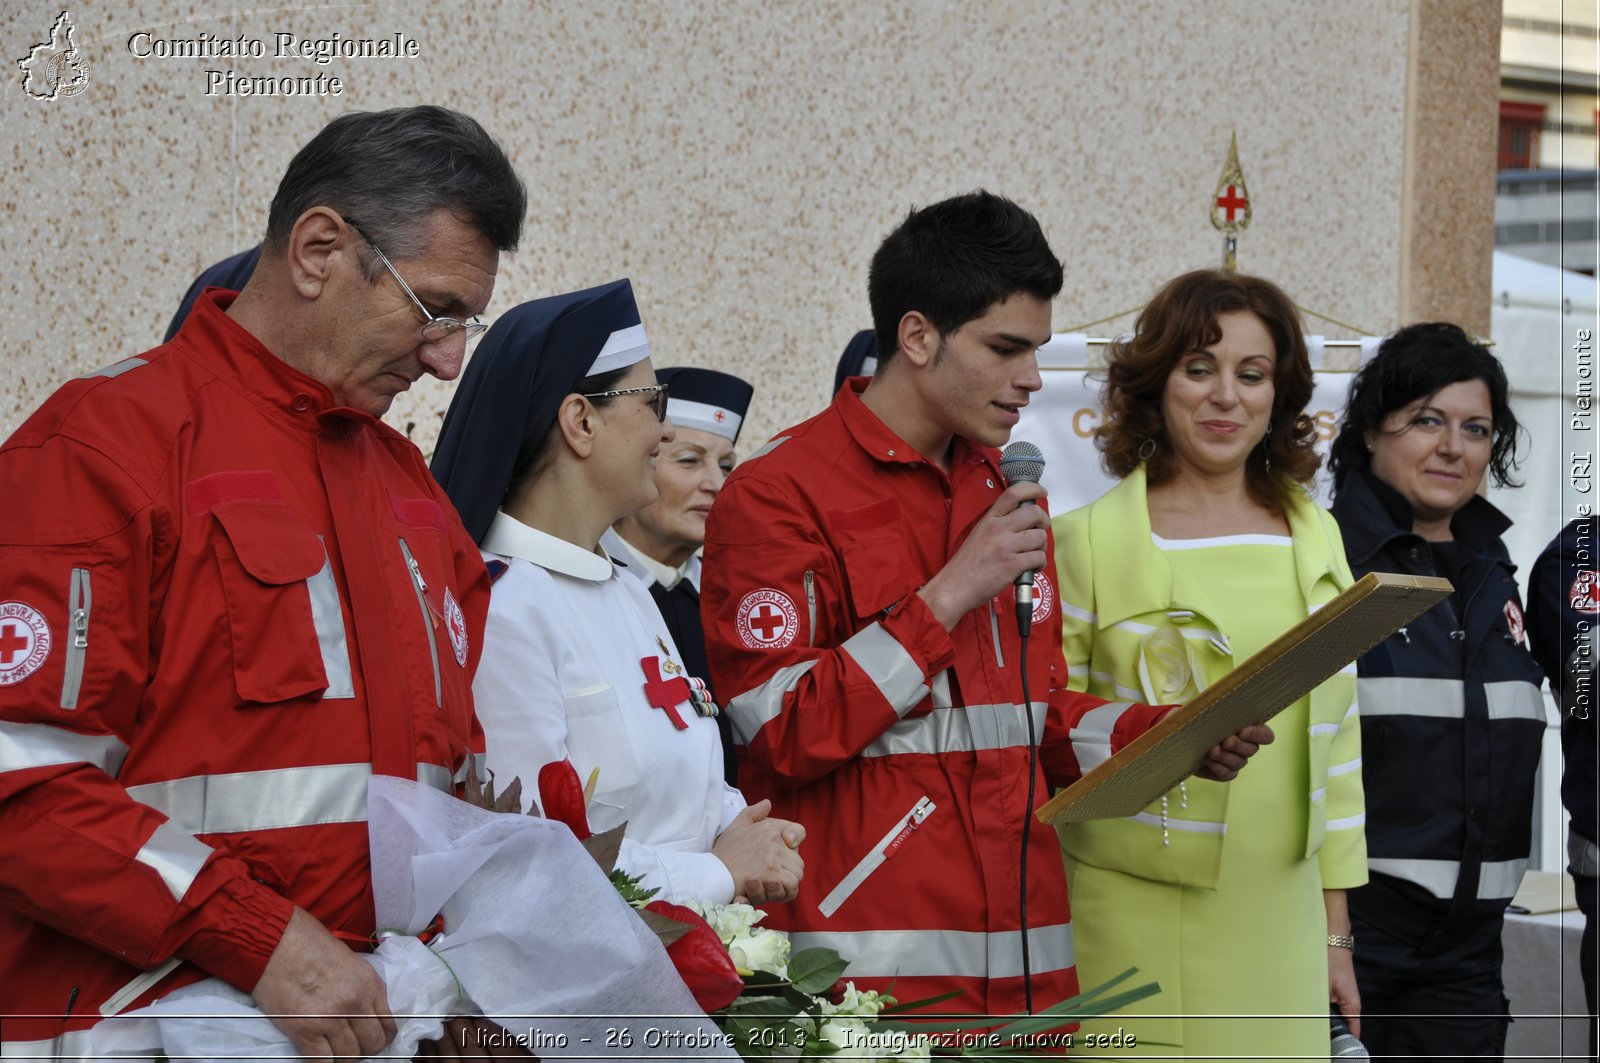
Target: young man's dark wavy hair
(953,260)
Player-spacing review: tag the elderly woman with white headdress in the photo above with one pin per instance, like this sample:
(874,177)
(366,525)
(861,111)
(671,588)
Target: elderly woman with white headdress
(661,542)
(553,437)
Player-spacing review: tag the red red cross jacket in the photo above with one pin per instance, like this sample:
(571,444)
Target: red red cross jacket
(901,747)
(210,577)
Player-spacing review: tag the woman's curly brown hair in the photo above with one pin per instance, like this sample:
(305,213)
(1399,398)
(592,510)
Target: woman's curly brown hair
(1183,318)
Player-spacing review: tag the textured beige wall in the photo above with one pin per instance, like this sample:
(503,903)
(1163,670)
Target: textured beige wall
(1452,130)
(741,160)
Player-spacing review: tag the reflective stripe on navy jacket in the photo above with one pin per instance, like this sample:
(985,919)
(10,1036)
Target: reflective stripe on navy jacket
(1451,724)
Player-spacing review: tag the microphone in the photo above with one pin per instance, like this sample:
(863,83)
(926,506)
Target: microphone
(1341,1042)
(1022,462)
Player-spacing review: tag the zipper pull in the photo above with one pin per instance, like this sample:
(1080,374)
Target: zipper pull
(921,811)
(422,585)
(80,628)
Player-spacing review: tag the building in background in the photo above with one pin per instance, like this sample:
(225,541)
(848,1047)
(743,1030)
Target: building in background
(1549,157)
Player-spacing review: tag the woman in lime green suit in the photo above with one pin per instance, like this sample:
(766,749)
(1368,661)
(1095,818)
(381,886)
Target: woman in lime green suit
(1231,895)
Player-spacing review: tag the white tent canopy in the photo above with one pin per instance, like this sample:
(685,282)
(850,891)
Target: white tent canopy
(1536,317)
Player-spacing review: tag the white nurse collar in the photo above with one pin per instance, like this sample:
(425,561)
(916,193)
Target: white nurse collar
(719,421)
(623,348)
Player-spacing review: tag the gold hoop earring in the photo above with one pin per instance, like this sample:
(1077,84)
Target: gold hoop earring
(1147,449)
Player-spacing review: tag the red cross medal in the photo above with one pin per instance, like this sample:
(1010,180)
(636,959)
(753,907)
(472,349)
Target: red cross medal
(664,694)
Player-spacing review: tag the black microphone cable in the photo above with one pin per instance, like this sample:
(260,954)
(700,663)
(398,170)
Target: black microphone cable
(1021,462)
(1025,626)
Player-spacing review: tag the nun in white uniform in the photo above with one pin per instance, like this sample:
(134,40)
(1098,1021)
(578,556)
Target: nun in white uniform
(551,438)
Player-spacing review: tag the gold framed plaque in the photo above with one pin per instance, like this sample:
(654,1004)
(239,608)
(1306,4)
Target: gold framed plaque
(1375,607)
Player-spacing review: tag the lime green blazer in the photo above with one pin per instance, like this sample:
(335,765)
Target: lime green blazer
(1132,630)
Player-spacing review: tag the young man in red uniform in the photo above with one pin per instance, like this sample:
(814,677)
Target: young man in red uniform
(232,595)
(858,615)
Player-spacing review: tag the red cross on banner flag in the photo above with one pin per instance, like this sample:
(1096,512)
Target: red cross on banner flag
(1230,204)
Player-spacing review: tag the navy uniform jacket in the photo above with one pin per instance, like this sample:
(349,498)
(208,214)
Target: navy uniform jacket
(1451,723)
(1562,595)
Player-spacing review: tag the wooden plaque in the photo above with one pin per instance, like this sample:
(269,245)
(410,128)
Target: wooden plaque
(1378,605)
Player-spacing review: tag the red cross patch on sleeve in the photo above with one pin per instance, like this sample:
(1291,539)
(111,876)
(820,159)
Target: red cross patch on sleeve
(767,620)
(1514,622)
(24,642)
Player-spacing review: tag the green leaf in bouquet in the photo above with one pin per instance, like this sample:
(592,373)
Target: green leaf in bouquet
(763,1007)
(806,1002)
(605,847)
(925,1002)
(815,970)
(629,889)
(761,1029)
(1093,1004)
(666,930)
(817,1047)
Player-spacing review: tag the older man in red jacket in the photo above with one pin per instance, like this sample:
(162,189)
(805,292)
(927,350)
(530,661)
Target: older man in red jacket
(232,595)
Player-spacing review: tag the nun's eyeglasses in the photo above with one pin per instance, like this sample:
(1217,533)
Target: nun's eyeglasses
(434,328)
(658,393)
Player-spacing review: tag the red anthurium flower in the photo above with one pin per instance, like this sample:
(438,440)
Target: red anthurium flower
(561,796)
(702,959)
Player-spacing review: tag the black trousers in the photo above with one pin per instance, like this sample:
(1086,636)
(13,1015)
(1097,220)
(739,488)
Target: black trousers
(1440,1005)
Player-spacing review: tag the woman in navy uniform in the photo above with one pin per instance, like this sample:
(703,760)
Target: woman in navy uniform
(1451,713)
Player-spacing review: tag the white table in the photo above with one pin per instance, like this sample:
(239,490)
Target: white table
(1544,986)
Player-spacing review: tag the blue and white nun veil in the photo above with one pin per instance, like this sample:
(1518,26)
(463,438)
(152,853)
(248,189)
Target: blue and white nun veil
(532,357)
(706,400)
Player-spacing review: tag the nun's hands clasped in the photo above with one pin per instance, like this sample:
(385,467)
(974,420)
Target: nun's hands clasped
(762,855)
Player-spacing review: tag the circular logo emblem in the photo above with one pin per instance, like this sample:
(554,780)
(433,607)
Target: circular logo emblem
(1514,621)
(67,74)
(24,642)
(1044,598)
(720,416)
(1582,595)
(767,620)
(457,625)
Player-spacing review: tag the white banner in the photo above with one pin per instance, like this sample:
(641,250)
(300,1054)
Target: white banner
(1061,419)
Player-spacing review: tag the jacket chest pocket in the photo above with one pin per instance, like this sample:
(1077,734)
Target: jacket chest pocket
(877,573)
(283,608)
(598,741)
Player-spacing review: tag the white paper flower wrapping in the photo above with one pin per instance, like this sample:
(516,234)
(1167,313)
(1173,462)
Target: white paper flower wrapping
(537,935)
